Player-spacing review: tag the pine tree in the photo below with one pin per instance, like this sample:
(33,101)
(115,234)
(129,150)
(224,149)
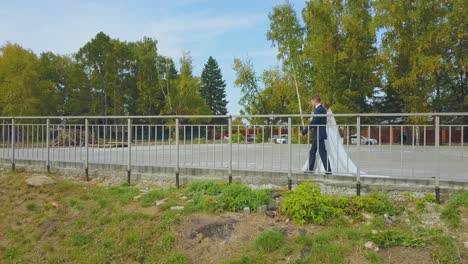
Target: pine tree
(213,88)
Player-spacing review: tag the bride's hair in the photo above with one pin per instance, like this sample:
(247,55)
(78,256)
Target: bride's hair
(326,106)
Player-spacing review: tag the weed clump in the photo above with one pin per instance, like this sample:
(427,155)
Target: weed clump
(151,197)
(307,204)
(236,196)
(124,193)
(205,187)
(270,240)
(451,213)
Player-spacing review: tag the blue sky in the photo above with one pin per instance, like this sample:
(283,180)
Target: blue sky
(222,29)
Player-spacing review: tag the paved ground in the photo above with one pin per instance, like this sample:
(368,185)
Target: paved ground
(392,161)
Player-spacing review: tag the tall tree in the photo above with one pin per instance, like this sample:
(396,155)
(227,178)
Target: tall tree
(413,48)
(288,35)
(247,81)
(150,97)
(22,90)
(213,88)
(185,98)
(340,44)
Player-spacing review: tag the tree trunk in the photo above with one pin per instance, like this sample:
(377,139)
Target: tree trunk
(298,97)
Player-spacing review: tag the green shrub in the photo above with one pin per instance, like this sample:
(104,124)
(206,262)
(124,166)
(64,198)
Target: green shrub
(307,204)
(304,139)
(430,198)
(151,197)
(205,187)
(375,203)
(236,196)
(238,138)
(259,138)
(201,203)
(390,238)
(270,240)
(451,212)
(420,204)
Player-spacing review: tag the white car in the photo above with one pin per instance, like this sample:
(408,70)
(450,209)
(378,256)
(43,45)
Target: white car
(283,139)
(364,140)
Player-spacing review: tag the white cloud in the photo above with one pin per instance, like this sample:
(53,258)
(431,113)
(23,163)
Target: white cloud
(197,30)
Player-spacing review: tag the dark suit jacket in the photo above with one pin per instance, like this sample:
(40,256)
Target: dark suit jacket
(318,121)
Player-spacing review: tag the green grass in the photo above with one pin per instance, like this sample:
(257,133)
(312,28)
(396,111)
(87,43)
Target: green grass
(150,198)
(75,223)
(307,204)
(90,225)
(236,196)
(270,240)
(451,213)
(205,187)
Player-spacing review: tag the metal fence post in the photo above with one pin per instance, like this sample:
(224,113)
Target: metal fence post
(230,148)
(290,153)
(86,150)
(358,142)
(48,145)
(129,146)
(177,153)
(13,139)
(437,151)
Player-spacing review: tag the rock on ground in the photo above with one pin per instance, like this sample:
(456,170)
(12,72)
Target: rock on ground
(207,227)
(371,245)
(39,180)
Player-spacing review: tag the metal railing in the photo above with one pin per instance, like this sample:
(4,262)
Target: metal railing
(401,145)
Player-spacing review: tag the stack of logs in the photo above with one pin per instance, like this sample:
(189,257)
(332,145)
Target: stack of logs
(65,137)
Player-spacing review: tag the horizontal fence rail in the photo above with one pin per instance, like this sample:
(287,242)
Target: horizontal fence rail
(429,146)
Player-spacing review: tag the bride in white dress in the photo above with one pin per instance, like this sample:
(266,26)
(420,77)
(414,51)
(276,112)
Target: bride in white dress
(340,162)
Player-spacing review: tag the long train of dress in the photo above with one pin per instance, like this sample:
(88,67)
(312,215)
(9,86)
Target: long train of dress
(340,161)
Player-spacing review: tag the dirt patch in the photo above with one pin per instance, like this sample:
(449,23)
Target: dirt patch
(209,239)
(136,207)
(404,255)
(218,228)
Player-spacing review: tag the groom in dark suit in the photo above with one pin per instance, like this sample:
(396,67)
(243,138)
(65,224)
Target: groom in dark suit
(318,123)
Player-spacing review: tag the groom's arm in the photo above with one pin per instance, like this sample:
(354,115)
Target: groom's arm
(315,120)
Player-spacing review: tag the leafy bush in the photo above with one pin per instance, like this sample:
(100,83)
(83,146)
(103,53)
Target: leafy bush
(375,203)
(205,187)
(236,196)
(237,138)
(201,203)
(452,210)
(304,139)
(430,198)
(151,197)
(390,238)
(259,138)
(269,240)
(307,204)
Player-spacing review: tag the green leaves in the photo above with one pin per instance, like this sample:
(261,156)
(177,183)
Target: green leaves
(235,197)
(307,204)
(23,91)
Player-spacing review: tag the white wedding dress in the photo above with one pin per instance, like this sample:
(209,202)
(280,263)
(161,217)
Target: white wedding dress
(340,162)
